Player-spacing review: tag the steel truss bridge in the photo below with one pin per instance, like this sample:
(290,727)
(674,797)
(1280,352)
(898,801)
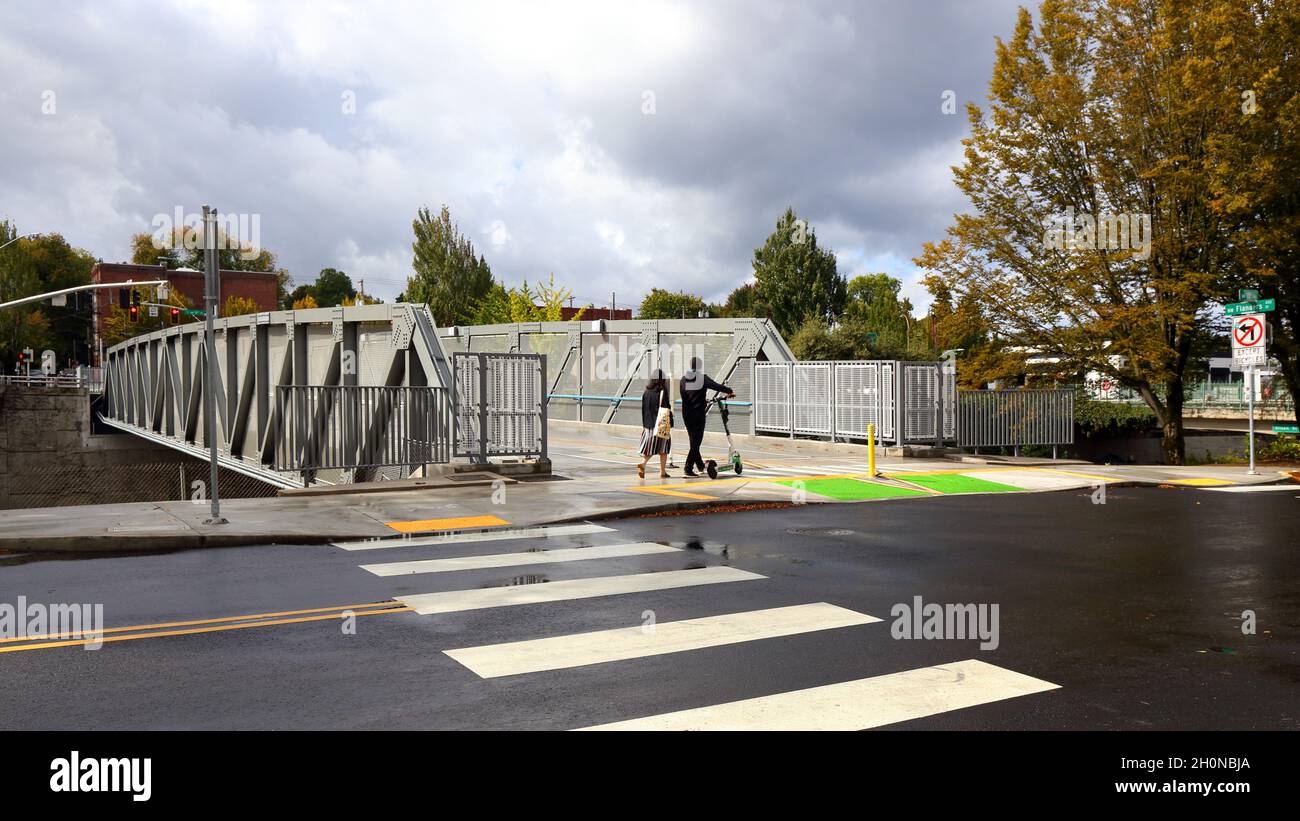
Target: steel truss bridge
(271,424)
(339,395)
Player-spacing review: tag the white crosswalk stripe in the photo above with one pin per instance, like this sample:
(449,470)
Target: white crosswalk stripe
(559,652)
(486,536)
(850,705)
(854,705)
(571,554)
(481,598)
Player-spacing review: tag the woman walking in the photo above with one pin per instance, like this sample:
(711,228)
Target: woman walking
(656,422)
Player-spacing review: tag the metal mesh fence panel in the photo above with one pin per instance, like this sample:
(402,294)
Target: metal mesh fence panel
(1014,418)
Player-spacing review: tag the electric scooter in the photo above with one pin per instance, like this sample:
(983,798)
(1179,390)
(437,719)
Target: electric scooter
(733,462)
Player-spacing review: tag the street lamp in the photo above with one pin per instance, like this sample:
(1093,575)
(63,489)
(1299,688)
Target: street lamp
(15,239)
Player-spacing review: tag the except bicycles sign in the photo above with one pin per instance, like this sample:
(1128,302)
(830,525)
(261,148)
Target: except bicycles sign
(1249,340)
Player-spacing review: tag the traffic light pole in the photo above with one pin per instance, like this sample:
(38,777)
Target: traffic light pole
(96,287)
(210,296)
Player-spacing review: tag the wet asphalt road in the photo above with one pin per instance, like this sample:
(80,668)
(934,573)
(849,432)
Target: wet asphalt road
(1133,607)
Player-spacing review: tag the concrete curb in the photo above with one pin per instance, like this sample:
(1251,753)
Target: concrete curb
(153,542)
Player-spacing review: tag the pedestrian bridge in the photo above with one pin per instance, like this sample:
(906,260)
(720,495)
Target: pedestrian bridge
(373,392)
(340,395)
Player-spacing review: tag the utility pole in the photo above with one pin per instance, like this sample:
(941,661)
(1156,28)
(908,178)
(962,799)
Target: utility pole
(611,306)
(1250,410)
(210,296)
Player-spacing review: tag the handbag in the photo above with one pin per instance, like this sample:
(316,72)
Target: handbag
(664,424)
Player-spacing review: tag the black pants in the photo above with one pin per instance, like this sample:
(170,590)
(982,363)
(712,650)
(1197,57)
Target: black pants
(695,432)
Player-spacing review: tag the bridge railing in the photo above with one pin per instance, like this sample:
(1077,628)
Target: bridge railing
(1015,417)
(907,402)
(347,427)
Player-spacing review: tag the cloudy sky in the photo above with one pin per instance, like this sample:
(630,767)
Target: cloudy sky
(619,145)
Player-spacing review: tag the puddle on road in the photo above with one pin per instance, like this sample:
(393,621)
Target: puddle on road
(718,549)
(517,581)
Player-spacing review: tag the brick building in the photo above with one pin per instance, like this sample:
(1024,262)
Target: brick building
(567,313)
(258,286)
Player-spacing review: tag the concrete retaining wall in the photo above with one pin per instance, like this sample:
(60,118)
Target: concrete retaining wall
(49,457)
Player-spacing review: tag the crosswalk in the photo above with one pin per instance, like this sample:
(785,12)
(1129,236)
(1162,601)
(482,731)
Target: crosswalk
(838,705)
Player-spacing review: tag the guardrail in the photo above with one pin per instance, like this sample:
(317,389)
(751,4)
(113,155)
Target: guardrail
(1015,417)
(345,427)
(43,381)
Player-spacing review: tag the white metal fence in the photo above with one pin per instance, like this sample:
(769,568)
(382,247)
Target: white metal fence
(500,404)
(839,399)
(1016,417)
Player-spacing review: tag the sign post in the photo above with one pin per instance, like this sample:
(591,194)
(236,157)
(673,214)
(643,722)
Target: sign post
(210,296)
(1249,350)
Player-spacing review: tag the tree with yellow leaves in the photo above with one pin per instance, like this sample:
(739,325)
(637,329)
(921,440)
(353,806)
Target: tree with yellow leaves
(1091,236)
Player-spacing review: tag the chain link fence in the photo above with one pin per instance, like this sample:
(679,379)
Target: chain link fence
(116,484)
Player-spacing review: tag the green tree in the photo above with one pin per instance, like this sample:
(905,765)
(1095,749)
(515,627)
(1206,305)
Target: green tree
(1256,164)
(449,277)
(796,278)
(815,341)
(873,305)
(545,303)
(35,265)
(661,304)
(745,302)
(332,287)
(1100,120)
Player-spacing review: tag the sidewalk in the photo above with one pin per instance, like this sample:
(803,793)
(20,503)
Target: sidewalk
(594,478)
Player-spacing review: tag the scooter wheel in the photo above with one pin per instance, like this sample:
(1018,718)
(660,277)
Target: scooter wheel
(711,467)
(739,468)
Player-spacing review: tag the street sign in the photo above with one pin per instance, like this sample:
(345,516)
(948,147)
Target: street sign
(1247,294)
(1286,428)
(1255,306)
(153,310)
(1249,341)
(1248,331)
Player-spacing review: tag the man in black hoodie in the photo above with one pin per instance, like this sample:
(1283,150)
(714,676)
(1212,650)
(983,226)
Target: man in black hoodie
(693,392)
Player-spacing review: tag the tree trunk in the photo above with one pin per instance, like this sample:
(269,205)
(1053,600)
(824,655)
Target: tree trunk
(1172,444)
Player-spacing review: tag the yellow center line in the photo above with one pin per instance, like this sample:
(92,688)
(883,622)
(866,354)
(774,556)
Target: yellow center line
(160,625)
(196,630)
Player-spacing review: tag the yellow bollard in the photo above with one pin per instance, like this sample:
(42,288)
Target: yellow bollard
(871,454)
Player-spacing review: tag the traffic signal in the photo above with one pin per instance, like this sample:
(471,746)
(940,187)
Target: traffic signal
(123,298)
(133,313)
(135,297)
(176,315)
(22,357)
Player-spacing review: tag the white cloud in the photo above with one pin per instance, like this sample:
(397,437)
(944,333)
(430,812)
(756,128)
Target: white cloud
(524,118)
